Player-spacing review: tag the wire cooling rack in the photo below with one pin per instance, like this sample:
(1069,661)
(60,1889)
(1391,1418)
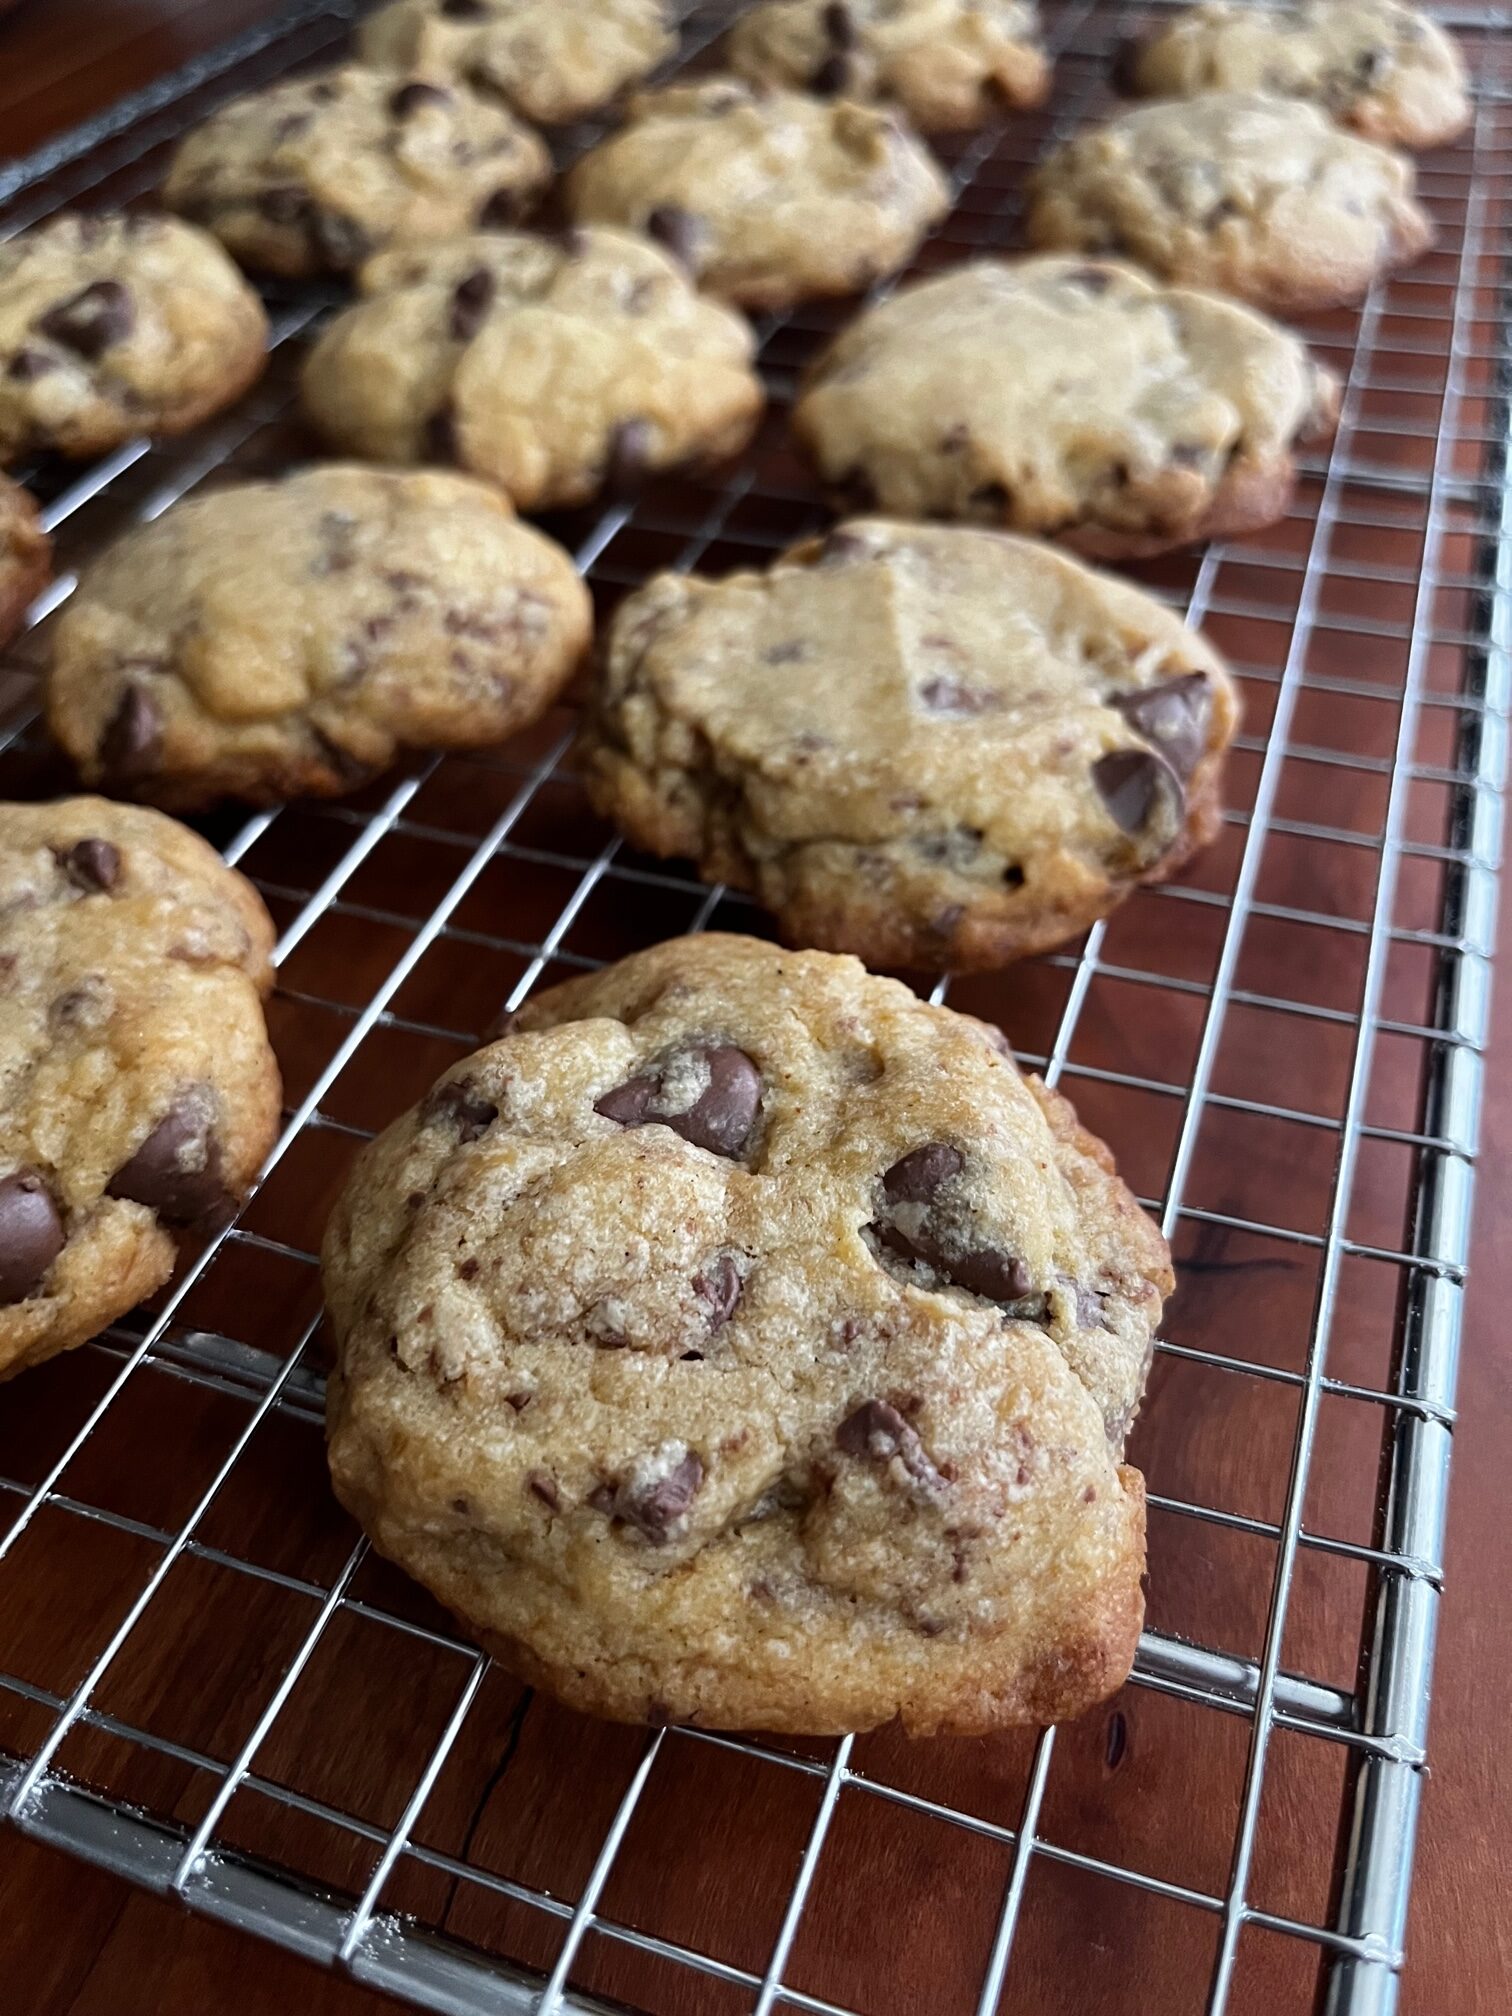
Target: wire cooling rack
(208,1684)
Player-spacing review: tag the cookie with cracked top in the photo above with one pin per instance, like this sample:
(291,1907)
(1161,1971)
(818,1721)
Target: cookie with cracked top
(929,746)
(550,62)
(140,1092)
(317,173)
(556,367)
(1073,398)
(767,197)
(1256,196)
(948,64)
(1385,70)
(25,556)
(272,639)
(743,1341)
(113,326)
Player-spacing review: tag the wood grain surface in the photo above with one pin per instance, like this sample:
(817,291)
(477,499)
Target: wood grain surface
(902,1913)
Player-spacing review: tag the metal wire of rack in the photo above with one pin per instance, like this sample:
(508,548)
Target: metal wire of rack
(200,1660)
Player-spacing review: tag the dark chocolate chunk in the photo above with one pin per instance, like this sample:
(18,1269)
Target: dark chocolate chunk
(1132,784)
(31,1234)
(679,231)
(917,1234)
(177,1170)
(653,1509)
(919,1175)
(340,241)
(832,75)
(470,302)
(542,1485)
(839,25)
(1173,716)
(717,1284)
(877,1432)
(720,1117)
(287,203)
(459,1104)
(506,206)
(950,696)
(92,864)
(1089,279)
(91,321)
(28,365)
(415,95)
(133,738)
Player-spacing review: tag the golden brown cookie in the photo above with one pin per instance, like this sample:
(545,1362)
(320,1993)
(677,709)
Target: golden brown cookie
(25,556)
(743,1341)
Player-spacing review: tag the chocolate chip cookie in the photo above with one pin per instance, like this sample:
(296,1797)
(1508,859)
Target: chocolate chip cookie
(551,62)
(1059,396)
(929,746)
(139,1094)
(1260,197)
(1384,69)
(766,197)
(25,556)
(277,638)
(743,1341)
(551,366)
(115,326)
(949,64)
(316,174)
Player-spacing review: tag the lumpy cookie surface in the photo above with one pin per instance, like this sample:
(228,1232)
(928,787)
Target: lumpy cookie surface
(1060,396)
(743,1341)
(1386,70)
(1257,196)
(765,196)
(140,1093)
(555,367)
(25,554)
(949,64)
(552,60)
(295,636)
(117,325)
(926,746)
(316,174)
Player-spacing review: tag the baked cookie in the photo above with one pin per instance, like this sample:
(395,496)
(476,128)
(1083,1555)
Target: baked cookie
(949,64)
(115,326)
(1054,395)
(277,638)
(1386,70)
(25,556)
(549,365)
(316,174)
(139,1092)
(928,746)
(552,62)
(743,1341)
(767,197)
(1261,197)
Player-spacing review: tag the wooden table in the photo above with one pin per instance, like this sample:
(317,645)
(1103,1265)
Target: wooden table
(77,1941)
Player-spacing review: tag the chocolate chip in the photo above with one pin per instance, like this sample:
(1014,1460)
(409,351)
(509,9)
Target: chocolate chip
(177,1170)
(1013,876)
(1173,715)
(832,75)
(506,206)
(949,696)
(654,1505)
(346,766)
(340,241)
(629,452)
(441,437)
(92,320)
(28,365)
(789,653)
(92,864)
(679,231)
(720,1091)
(839,25)
(1189,455)
(877,1432)
(992,499)
(1089,279)
(916,1232)
(717,1285)
(286,203)
(542,1485)
(459,1104)
(470,302)
(840,547)
(414,96)
(1091,1309)
(468,1270)
(133,738)
(31,1234)
(1132,784)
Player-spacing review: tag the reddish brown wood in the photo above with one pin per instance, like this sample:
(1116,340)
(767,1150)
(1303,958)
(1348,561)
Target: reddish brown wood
(902,1910)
